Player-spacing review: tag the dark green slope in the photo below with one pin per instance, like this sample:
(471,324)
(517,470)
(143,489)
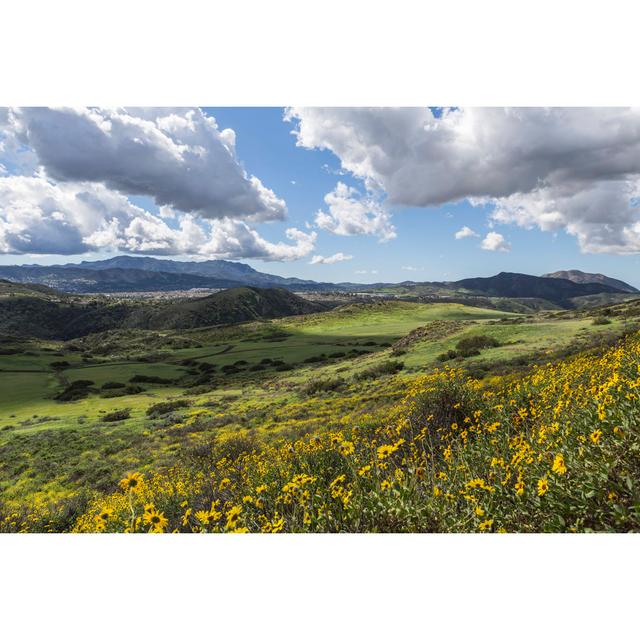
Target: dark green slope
(230,306)
(59,317)
(12,289)
(519,285)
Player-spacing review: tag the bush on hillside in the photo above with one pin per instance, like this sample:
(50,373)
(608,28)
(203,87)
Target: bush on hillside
(378,370)
(162,408)
(114,385)
(469,347)
(151,379)
(117,416)
(126,390)
(322,385)
(77,390)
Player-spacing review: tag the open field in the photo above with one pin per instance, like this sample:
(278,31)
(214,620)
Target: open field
(262,381)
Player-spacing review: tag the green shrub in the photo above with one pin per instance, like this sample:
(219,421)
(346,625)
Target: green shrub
(114,385)
(449,355)
(126,390)
(475,344)
(230,368)
(378,370)
(116,416)
(322,385)
(77,390)
(162,408)
(151,379)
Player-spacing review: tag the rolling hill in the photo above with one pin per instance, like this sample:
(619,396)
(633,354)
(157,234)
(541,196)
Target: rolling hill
(519,285)
(56,316)
(230,306)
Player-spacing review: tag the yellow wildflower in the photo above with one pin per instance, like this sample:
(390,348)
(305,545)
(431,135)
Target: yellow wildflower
(543,486)
(156,520)
(559,466)
(132,482)
(384,451)
(347,448)
(485,525)
(233,515)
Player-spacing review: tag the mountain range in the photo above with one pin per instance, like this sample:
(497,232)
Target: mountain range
(128,273)
(133,273)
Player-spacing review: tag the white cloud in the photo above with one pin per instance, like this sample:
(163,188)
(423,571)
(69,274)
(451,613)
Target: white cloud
(179,157)
(495,242)
(410,268)
(37,216)
(604,216)
(350,215)
(40,217)
(362,272)
(336,257)
(466,232)
(232,239)
(536,166)
(76,167)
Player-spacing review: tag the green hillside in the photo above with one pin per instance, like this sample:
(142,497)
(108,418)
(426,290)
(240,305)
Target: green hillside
(75,416)
(37,311)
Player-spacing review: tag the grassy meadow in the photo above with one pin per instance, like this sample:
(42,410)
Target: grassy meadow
(321,411)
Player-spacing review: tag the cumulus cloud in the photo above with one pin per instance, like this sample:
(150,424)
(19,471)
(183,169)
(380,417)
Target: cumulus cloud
(37,216)
(495,242)
(336,257)
(67,173)
(604,216)
(233,239)
(41,217)
(178,157)
(350,214)
(537,167)
(465,232)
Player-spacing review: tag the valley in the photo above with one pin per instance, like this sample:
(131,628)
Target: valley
(78,414)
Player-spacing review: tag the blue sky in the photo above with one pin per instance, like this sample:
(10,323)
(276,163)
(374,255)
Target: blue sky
(425,236)
(424,248)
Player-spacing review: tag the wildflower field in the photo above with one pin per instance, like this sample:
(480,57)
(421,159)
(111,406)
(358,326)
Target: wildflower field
(354,445)
(558,450)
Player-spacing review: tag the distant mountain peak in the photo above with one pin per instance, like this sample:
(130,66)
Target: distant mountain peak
(520,285)
(581,277)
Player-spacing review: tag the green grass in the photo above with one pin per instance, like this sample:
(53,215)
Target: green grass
(264,401)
